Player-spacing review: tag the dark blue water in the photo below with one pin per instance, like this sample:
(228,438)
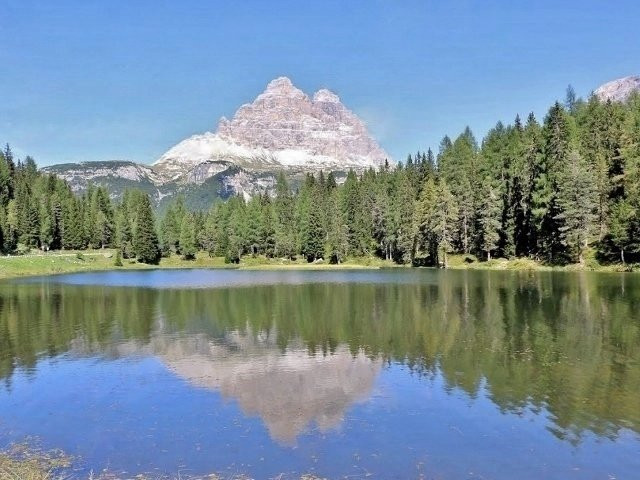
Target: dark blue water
(382,374)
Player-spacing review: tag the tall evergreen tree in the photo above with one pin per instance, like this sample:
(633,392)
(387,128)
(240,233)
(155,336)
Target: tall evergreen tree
(490,216)
(444,220)
(146,244)
(188,246)
(576,203)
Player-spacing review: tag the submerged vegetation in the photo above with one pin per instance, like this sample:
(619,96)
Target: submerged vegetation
(23,462)
(550,192)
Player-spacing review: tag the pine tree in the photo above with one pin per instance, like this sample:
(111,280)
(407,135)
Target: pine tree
(253,229)
(490,216)
(117,262)
(285,242)
(315,233)
(557,142)
(72,228)
(424,218)
(188,237)
(170,232)
(46,227)
(571,101)
(576,202)
(402,205)
(337,246)
(209,232)
(123,234)
(622,214)
(5,182)
(444,220)
(267,232)
(354,215)
(146,245)
(236,230)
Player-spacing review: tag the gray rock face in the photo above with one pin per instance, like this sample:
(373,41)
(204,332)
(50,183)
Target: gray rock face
(116,175)
(282,128)
(618,90)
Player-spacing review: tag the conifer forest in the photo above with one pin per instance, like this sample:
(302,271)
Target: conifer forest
(553,190)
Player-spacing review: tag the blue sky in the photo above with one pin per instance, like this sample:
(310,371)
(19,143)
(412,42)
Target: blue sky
(99,80)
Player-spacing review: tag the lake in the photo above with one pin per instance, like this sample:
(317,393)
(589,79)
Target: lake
(401,373)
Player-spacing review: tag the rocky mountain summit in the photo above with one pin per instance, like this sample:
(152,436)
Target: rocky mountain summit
(618,90)
(283,129)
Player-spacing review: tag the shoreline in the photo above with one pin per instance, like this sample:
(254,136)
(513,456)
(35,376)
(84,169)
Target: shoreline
(45,264)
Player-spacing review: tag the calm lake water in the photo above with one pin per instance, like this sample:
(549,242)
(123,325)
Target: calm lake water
(387,374)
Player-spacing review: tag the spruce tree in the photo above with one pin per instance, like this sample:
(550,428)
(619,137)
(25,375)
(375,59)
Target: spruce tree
(402,205)
(72,225)
(490,215)
(622,214)
(236,230)
(267,232)
(188,237)
(285,241)
(337,246)
(46,227)
(445,220)
(424,218)
(315,232)
(576,203)
(124,236)
(146,245)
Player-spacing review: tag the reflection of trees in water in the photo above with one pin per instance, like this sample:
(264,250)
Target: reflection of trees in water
(567,342)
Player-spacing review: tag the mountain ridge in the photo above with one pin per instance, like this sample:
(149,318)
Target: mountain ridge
(282,129)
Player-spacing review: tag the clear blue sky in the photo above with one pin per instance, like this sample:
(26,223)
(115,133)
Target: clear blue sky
(97,80)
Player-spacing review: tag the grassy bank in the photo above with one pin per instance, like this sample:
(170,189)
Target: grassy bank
(96,260)
(89,260)
(469,262)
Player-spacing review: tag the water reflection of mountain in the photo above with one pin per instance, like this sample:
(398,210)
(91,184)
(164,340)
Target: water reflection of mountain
(566,344)
(289,390)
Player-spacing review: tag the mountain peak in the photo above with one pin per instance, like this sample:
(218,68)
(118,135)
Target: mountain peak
(282,129)
(618,90)
(278,90)
(327,96)
(279,84)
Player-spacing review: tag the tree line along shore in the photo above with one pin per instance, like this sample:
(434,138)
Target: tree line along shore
(561,192)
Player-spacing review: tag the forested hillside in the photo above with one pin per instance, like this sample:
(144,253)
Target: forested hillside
(547,191)
(38,210)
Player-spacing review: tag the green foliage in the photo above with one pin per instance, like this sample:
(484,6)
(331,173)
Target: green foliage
(576,199)
(188,246)
(146,245)
(545,193)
